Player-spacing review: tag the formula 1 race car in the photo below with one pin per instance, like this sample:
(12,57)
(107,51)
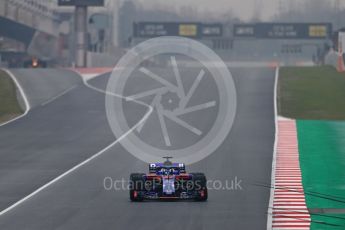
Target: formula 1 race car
(168,181)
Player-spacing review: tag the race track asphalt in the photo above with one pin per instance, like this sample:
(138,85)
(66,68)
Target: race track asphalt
(80,201)
(51,138)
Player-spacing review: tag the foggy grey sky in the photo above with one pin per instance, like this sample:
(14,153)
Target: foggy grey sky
(240,8)
(243,9)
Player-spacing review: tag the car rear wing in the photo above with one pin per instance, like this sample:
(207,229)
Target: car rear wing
(179,166)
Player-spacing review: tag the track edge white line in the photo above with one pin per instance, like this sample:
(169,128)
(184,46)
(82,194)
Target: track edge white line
(274,159)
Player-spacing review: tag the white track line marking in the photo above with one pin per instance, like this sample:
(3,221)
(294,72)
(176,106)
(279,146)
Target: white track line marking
(22,93)
(274,159)
(85,161)
(59,95)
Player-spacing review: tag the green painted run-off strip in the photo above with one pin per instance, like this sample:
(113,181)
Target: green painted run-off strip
(322,161)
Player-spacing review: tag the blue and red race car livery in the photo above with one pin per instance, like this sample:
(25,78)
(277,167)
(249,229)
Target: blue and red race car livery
(168,181)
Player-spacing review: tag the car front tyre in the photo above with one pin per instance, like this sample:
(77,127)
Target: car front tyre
(137,183)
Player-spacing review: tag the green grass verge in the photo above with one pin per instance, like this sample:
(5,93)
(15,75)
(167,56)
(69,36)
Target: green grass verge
(315,93)
(322,159)
(9,106)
